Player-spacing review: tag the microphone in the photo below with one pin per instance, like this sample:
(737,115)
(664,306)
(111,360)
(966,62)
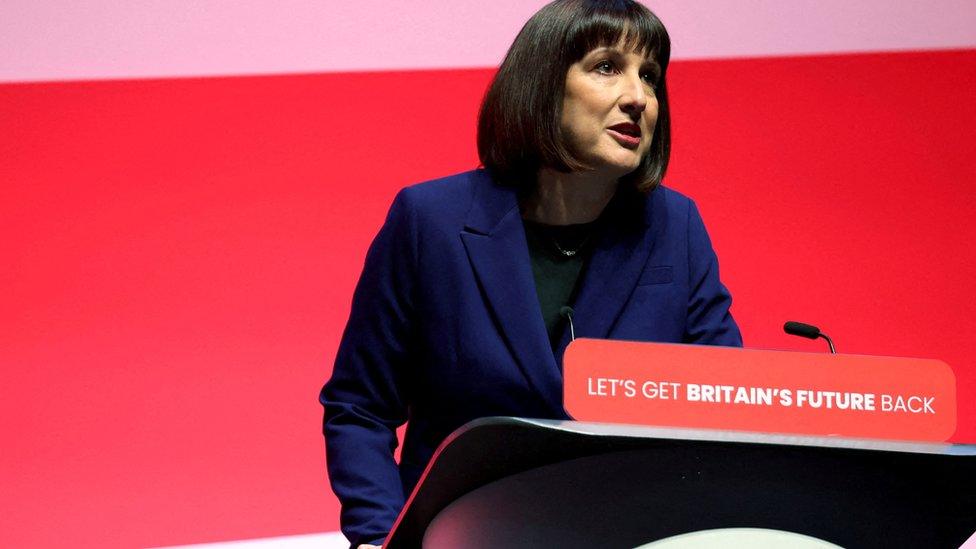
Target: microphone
(567,312)
(808,331)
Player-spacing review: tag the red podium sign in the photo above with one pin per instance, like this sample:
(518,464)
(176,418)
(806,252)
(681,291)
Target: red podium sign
(751,390)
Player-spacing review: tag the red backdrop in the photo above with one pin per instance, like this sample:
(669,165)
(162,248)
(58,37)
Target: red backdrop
(179,257)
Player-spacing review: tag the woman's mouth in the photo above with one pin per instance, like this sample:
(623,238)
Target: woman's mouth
(627,134)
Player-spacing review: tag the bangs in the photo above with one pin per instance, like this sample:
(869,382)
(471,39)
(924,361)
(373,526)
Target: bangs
(610,23)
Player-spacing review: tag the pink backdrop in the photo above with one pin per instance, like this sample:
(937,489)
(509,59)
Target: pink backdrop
(51,40)
(180,253)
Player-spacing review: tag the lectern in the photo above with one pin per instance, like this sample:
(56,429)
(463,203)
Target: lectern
(518,483)
(523,483)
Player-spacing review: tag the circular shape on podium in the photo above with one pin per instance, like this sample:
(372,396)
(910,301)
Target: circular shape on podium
(754,538)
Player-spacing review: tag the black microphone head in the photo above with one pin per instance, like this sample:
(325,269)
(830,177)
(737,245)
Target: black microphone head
(566,311)
(801,329)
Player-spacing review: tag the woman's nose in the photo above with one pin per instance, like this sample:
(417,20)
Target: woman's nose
(633,98)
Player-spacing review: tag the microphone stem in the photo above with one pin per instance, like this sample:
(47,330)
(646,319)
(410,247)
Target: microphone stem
(829,342)
(567,313)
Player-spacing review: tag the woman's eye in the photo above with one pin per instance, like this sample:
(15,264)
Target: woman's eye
(605,67)
(650,79)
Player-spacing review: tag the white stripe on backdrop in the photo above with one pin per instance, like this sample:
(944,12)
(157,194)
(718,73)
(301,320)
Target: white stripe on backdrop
(331,540)
(100,39)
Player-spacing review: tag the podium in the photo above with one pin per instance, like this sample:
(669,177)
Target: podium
(524,483)
(520,483)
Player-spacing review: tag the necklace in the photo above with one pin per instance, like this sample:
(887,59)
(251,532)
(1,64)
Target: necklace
(561,240)
(569,251)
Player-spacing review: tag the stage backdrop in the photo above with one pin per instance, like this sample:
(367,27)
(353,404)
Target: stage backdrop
(187,191)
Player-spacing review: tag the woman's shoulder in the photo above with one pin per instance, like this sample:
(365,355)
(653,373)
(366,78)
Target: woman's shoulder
(449,191)
(666,207)
(671,198)
(443,205)
(449,200)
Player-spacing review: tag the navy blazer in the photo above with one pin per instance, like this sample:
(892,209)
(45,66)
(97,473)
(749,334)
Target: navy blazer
(446,326)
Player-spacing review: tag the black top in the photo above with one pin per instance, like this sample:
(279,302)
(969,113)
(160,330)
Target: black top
(558,254)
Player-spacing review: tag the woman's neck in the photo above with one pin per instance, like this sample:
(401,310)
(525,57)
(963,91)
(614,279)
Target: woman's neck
(568,198)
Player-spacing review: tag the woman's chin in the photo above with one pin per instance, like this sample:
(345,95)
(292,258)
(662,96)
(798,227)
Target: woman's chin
(614,163)
(620,167)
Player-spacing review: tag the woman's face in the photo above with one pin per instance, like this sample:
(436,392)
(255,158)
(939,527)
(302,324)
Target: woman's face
(609,109)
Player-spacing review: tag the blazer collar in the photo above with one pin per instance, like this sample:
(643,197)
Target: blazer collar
(491,204)
(634,225)
(494,239)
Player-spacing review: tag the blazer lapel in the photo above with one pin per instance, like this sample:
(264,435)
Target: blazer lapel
(494,239)
(616,265)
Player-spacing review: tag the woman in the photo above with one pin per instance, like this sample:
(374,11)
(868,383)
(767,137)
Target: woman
(457,313)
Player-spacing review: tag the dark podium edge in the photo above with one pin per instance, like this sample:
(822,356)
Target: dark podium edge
(509,445)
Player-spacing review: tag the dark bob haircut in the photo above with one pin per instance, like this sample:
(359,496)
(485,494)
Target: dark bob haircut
(519,128)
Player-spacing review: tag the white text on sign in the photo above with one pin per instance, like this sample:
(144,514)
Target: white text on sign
(759,396)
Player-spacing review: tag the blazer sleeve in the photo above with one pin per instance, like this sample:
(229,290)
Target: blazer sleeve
(709,321)
(365,398)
